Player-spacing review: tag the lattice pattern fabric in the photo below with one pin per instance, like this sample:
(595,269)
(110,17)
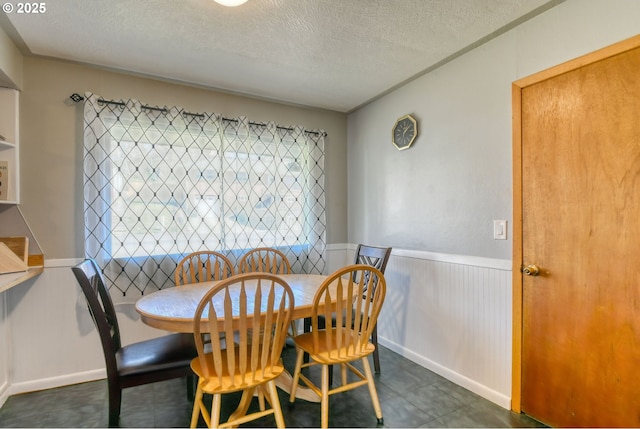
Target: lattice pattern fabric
(161,183)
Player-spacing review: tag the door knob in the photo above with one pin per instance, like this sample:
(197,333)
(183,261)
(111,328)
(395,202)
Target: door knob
(531,270)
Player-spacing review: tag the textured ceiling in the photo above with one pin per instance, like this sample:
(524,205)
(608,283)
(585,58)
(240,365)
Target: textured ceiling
(333,54)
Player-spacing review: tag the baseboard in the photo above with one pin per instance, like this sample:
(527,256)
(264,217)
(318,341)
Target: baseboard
(4,393)
(52,382)
(459,379)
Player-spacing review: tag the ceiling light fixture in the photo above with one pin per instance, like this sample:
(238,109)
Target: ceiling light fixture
(231,3)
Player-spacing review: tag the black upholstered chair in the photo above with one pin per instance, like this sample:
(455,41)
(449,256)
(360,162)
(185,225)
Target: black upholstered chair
(135,364)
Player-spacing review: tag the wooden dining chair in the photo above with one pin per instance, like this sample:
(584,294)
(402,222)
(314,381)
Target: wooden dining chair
(264,260)
(135,364)
(267,260)
(203,266)
(255,309)
(374,256)
(348,340)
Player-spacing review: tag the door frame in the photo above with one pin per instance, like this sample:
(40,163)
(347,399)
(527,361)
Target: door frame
(517,262)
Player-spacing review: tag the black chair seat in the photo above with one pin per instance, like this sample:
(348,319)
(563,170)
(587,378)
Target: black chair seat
(158,354)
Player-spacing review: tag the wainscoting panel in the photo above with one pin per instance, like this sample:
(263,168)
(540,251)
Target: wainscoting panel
(54,341)
(453,318)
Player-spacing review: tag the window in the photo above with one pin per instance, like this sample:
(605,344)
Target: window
(160,184)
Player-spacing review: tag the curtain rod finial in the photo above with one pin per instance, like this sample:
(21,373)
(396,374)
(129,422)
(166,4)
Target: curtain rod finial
(76,97)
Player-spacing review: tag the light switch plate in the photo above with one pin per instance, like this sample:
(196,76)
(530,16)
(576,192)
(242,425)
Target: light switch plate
(499,229)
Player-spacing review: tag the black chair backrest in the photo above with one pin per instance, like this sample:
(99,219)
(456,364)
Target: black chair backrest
(101,308)
(374,256)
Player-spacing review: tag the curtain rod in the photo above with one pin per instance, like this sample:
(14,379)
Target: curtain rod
(75,97)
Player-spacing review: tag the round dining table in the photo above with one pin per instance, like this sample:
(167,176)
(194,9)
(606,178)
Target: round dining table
(173,309)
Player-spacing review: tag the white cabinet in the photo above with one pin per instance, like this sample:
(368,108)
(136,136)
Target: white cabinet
(9,158)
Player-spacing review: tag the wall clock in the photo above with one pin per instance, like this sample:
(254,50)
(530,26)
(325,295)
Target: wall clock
(404,132)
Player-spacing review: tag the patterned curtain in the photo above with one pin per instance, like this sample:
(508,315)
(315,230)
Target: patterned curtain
(160,183)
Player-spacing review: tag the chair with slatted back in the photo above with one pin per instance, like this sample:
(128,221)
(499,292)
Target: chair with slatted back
(255,309)
(264,260)
(348,340)
(203,266)
(377,257)
(135,364)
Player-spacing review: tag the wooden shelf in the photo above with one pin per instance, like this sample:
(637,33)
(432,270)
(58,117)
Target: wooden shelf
(7,281)
(4,144)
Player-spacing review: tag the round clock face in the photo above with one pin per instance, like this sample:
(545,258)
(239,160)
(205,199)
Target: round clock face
(404,132)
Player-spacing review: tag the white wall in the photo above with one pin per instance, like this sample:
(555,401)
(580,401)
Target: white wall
(441,195)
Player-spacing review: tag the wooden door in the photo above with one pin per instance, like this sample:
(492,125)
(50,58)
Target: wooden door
(580,195)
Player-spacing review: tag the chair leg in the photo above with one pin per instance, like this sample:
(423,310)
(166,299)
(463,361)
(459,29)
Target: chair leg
(296,376)
(191,386)
(330,375)
(115,399)
(261,400)
(197,406)
(275,404)
(216,405)
(306,328)
(324,401)
(376,355)
(372,389)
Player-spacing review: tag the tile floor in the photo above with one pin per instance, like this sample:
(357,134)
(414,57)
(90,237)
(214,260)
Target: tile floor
(410,396)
